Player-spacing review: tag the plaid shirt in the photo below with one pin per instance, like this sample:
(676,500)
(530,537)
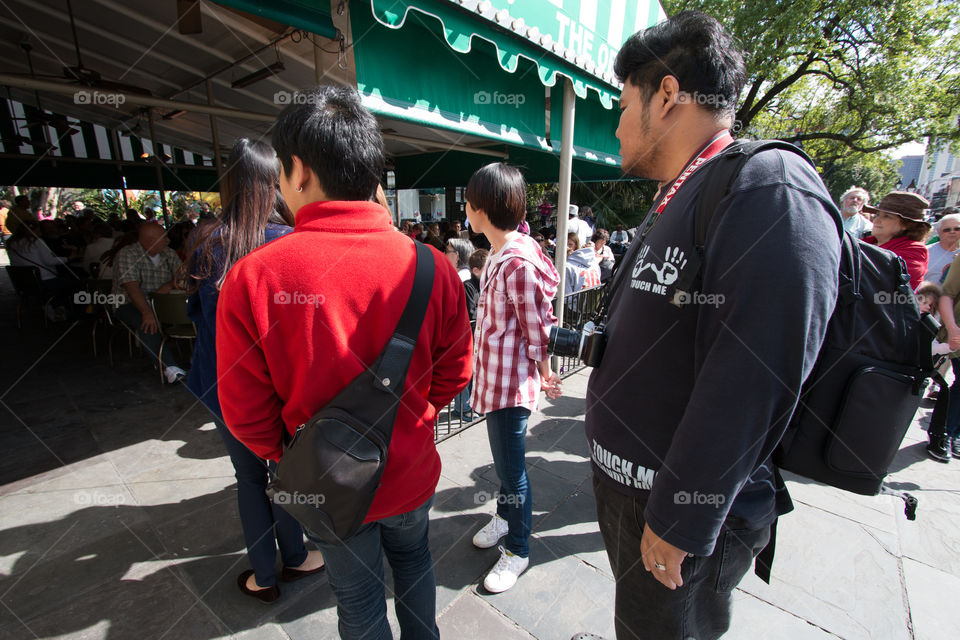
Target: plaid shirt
(514,316)
(134,265)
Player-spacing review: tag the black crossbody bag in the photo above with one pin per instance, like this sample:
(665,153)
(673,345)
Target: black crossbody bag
(331,468)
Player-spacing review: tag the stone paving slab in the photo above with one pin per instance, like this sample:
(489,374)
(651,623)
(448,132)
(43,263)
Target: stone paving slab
(753,618)
(933,598)
(840,575)
(558,596)
(470,616)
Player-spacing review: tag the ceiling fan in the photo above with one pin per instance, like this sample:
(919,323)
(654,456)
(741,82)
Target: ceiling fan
(87,77)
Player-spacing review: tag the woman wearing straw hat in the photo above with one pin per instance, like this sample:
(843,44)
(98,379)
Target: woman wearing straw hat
(898,226)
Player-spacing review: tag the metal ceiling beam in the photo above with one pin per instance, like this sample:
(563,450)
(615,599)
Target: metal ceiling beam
(138,47)
(133,98)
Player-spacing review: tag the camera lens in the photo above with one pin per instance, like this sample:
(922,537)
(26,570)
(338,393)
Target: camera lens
(564,342)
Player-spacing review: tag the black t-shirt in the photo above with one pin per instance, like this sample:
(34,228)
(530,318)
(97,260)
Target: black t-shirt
(690,400)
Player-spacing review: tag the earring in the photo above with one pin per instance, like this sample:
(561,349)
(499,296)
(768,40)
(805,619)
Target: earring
(299,189)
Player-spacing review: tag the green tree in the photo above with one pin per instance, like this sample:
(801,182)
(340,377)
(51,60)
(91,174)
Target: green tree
(847,76)
(873,172)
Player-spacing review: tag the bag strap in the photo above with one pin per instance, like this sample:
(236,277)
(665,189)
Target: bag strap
(390,368)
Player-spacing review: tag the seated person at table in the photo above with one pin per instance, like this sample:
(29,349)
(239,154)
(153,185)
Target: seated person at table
(102,243)
(142,268)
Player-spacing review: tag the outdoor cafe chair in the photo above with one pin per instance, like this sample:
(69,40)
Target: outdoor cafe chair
(171,312)
(28,286)
(99,289)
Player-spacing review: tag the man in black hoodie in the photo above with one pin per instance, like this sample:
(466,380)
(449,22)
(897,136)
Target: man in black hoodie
(693,394)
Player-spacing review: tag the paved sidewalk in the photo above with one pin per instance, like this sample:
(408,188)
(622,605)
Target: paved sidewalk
(118,520)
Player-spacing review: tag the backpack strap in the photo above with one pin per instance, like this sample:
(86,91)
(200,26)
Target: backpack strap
(723,171)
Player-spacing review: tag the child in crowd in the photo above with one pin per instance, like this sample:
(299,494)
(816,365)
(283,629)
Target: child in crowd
(511,363)
(928,297)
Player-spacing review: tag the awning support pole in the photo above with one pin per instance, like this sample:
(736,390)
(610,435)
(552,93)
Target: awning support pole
(563,200)
(215,134)
(158,163)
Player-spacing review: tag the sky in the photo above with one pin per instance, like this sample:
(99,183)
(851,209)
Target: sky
(910,149)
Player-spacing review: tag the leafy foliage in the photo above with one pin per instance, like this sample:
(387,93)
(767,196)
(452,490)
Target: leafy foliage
(847,76)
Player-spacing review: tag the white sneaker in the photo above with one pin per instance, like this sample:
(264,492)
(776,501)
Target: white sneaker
(491,534)
(504,575)
(173,374)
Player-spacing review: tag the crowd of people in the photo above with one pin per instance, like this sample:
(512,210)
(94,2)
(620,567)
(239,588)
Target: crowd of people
(304,267)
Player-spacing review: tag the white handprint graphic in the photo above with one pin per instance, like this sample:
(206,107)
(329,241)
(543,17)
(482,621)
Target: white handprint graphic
(639,266)
(668,273)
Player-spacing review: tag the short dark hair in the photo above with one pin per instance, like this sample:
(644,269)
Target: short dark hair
(600,234)
(23,201)
(478,258)
(500,191)
(695,49)
(330,130)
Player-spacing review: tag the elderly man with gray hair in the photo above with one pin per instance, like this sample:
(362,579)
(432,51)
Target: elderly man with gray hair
(945,249)
(851,208)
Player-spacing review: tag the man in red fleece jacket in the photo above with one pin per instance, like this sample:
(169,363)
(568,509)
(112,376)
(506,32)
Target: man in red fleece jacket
(302,316)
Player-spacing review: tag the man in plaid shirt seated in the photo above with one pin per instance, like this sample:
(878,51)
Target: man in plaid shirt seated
(511,363)
(145,267)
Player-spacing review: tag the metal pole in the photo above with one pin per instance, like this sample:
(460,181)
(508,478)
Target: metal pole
(115,151)
(317,62)
(215,134)
(563,201)
(158,163)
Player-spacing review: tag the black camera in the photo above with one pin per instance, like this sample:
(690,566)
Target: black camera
(588,344)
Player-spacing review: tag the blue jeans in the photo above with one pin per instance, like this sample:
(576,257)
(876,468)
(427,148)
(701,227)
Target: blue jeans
(258,514)
(507,429)
(953,411)
(355,572)
(461,403)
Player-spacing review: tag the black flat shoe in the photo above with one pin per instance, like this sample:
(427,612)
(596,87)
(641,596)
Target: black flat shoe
(290,574)
(266,596)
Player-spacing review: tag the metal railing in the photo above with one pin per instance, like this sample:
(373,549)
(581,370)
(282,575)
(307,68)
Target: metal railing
(579,307)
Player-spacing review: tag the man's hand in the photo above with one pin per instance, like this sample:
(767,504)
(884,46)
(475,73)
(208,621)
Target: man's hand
(149,322)
(655,551)
(954,339)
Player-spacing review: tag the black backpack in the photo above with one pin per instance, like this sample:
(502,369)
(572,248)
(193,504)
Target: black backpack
(858,402)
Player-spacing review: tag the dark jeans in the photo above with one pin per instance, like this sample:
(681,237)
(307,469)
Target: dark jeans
(507,430)
(258,515)
(355,571)
(645,608)
(953,411)
(132,318)
(461,403)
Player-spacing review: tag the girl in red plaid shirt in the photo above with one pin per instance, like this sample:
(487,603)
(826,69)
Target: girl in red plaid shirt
(511,365)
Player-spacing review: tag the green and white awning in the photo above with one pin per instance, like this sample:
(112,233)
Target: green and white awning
(486,69)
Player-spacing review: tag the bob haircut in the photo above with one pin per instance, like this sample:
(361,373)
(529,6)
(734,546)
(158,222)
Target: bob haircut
(500,192)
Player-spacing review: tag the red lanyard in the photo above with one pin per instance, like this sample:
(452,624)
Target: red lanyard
(715,146)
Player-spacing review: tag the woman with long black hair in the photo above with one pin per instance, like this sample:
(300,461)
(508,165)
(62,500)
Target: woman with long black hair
(254,213)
